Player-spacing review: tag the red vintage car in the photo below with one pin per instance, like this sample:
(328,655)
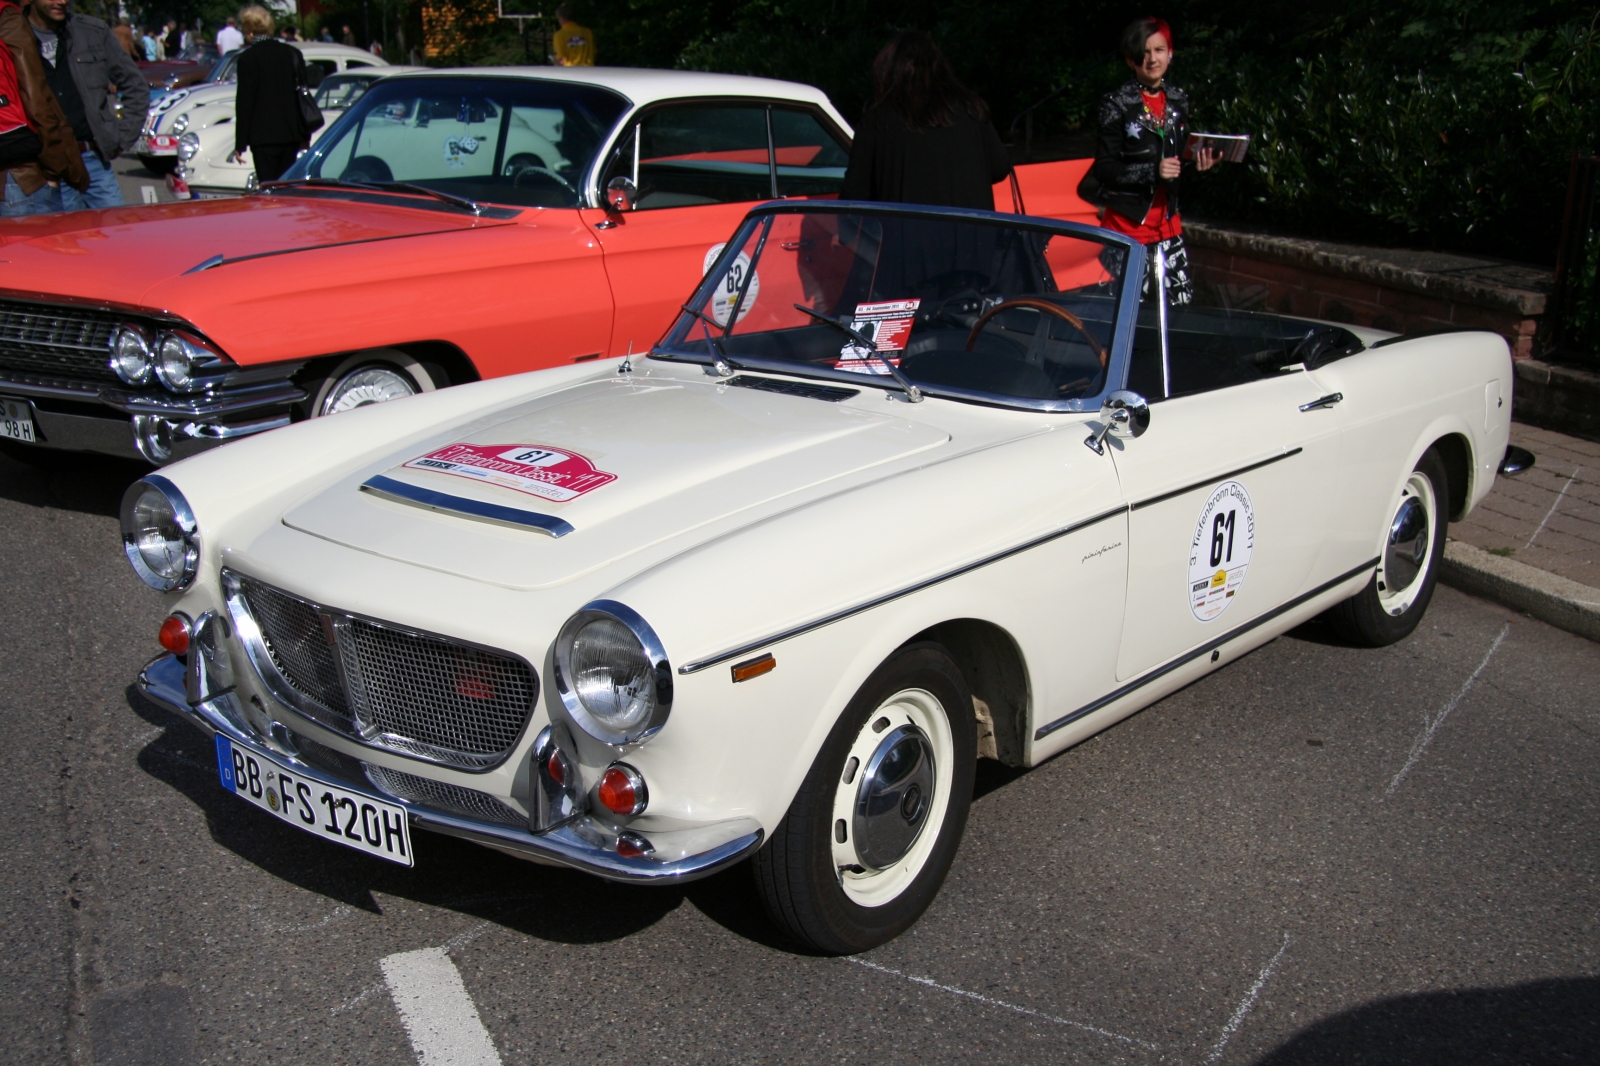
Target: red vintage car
(452,226)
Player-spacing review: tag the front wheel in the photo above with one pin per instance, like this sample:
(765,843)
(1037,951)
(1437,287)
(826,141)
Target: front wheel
(876,824)
(1394,601)
(376,376)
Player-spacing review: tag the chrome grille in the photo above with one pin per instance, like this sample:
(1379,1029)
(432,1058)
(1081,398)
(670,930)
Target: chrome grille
(467,802)
(47,339)
(414,693)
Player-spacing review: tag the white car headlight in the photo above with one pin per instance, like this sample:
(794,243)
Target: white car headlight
(188,146)
(131,357)
(159,534)
(180,123)
(612,674)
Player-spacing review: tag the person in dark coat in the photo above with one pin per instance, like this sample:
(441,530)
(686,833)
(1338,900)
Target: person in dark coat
(926,139)
(32,186)
(1137,160)
(267,121)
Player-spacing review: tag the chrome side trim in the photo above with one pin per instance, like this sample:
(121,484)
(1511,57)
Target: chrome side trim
(1214,478)
(805,627)
(465,508)
(583,844)
(1204,649)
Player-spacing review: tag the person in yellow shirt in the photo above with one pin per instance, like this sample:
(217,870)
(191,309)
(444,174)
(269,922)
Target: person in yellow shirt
(573,44)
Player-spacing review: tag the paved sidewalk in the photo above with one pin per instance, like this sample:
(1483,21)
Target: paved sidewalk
(1534,543)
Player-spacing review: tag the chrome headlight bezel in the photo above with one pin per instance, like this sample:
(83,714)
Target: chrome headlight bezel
(188,146)
(181,123)
(182,517)
(652,655)
(183,363)
(135,366)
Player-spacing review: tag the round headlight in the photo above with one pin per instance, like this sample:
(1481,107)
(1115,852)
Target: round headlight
(159,534)
(612,674)
(131,357)
(177,361)
(181,123)
(188,146)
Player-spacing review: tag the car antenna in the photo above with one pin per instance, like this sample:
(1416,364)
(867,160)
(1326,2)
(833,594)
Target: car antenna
(627,361)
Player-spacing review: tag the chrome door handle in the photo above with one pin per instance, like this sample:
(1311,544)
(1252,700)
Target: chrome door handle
(1322,402)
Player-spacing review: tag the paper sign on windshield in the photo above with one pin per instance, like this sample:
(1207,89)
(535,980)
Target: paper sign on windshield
(532,468)
(886,324)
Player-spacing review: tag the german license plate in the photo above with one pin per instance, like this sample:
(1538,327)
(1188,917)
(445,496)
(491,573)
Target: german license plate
(16,420)
(350,818)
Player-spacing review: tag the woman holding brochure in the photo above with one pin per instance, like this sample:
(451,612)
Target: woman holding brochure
(1137,162)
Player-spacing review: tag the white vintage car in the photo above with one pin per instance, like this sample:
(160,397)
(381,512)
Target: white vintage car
(901,489)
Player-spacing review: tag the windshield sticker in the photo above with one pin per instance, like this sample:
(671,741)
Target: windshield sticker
(548,473)
(456,147)
(727,292)
(886,324)
(1220,552)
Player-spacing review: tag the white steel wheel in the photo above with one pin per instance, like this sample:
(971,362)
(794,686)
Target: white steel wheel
(1393,602)
(1407,551)
(895,786)
(367,385)
(872,832)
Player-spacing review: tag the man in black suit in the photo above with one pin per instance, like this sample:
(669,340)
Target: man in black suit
(267,120)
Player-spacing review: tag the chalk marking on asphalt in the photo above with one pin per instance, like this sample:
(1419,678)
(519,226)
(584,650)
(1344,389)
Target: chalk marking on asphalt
(1247,1004)
(1575,472)
(144,738)
(1003,1005)
(338,914)
(1422,742)
(460,940)
(438,1014)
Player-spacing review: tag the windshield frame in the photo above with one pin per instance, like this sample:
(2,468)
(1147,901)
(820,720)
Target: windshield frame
(1120,349)
(349,116)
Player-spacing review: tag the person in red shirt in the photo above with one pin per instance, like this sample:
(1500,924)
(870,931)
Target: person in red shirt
(1137,164)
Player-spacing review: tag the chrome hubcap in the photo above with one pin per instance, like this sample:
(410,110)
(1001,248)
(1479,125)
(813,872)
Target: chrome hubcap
(892,801)
(1408,549)
(371,384)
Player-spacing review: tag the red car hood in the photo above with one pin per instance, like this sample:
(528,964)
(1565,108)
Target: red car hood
(117,255)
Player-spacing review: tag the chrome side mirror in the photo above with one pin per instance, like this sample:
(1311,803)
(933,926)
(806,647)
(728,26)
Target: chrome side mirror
(621,194)
(1124,413)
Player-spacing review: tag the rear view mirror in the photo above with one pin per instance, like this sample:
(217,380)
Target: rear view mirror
(621,194)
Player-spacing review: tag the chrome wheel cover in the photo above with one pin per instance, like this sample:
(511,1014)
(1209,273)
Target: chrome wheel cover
(1408,546)
(367,385)
(891,799)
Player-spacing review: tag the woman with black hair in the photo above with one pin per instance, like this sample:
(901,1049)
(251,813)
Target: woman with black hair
(1137,165)
(926,139)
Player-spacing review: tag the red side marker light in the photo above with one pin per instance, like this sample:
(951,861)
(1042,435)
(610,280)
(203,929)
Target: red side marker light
(622,790)
(633,846)
(174,635)
(556,768)
(753,668)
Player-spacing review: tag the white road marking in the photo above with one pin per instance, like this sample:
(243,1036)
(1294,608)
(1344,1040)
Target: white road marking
(1547,515)
(148,192)
(439,1016)
(1247,1004)
(1422,742)
(1003,1005)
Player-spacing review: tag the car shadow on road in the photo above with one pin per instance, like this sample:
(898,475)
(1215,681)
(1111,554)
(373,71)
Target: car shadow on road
(1551,1021)
(548,903)
(85,484)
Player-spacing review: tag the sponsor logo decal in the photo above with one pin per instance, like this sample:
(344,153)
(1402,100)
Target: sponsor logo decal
(1219,555)
(538,470)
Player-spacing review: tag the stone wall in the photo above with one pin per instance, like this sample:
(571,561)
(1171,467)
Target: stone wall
(1392,289)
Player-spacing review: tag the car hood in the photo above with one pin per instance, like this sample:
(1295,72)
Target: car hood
(627,465)
(119,254)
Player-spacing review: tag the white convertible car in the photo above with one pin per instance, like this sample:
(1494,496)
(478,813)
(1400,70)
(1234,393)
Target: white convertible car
(901,489)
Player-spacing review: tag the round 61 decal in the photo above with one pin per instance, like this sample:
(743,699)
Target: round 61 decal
(1220,554)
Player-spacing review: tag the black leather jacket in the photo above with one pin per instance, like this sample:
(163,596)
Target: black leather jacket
(1129,149)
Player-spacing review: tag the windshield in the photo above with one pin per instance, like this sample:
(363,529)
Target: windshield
(499,140)
(342,90)
(964,307)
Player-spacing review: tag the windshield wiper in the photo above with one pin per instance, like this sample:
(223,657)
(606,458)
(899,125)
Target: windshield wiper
(913,393)
(719,358)
(382,186)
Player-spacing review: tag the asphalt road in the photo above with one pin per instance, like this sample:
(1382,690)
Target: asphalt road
(1316,855)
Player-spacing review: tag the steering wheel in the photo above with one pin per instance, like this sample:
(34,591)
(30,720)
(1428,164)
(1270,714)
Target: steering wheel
(519,165)
(1038,305)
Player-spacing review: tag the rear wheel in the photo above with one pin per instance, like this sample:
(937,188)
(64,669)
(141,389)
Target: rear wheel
(872,833)
(1392,604)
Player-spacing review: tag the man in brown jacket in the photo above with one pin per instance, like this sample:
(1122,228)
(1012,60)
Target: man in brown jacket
(124,34)
(28,186)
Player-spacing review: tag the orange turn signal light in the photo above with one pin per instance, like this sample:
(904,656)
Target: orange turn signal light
(753,668)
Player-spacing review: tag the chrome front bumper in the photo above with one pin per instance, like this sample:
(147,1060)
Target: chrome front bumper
(583,843)
(156,427)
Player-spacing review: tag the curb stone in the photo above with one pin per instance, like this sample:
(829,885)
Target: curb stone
(1562,602)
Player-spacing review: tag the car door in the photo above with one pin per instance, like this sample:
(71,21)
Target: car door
(1229,489)
(698,167)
